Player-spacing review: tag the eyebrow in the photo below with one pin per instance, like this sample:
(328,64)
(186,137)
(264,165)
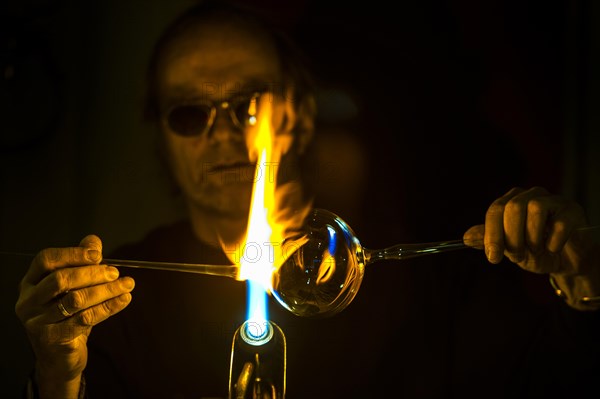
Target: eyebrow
(209,91)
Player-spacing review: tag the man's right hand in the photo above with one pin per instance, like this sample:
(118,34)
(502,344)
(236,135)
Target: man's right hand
(64,293)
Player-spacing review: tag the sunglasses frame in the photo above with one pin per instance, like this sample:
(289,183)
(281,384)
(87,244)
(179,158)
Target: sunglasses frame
(212,109)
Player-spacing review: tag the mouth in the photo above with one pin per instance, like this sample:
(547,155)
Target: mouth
(230,166)
(229,173)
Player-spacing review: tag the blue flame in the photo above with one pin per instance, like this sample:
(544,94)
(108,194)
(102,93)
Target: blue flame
(257,316)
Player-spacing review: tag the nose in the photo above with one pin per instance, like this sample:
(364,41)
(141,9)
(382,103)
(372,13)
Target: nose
(223,128)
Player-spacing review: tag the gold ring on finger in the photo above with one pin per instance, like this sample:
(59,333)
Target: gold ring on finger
(62,309)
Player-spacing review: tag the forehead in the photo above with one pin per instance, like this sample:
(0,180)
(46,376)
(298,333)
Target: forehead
(215,59)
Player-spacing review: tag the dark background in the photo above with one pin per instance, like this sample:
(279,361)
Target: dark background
(445,105)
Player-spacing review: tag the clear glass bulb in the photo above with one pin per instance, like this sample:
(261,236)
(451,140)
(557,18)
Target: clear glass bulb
(324,274)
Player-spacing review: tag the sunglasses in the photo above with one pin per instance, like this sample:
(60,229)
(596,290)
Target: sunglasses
(197,118)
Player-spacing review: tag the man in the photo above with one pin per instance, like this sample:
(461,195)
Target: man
(405,331)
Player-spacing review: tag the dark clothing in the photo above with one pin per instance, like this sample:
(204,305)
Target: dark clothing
(444,326)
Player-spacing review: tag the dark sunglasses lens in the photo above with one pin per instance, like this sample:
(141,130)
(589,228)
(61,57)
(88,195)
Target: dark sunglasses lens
(189,120)
(243,113)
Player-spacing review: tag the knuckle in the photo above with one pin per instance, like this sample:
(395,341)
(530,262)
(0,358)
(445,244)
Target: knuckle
(115,288)
(560,226)
(111,288)
(73,255)
(514,191)
(497,208)
(107,307)
(535,208)
(515,205)
(61,281)
(87,317)
(100,273)
(94,315)
(76,300)
(49,256)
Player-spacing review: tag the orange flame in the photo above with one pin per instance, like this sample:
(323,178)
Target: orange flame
(273,209)
(263,232)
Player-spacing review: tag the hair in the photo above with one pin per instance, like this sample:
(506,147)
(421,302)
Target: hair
(294,65)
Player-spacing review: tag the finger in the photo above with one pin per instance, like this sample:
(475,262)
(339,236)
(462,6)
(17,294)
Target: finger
(561,226)
(59,282)
(50,259)
(473,237)
(515,222)
(98,313)
(67,330)
(82,299)
(73,278)
(92,242)
(494,226)
(537,217)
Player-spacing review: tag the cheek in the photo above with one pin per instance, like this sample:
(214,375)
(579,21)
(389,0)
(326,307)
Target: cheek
(183,157)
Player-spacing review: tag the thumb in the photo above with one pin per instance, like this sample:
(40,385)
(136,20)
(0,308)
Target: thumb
(94,247)
(473,237)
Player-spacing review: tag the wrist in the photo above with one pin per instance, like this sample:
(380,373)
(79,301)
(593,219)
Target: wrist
(49,385)
(579,292)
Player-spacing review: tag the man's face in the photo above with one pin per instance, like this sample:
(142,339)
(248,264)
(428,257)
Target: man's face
(213,64)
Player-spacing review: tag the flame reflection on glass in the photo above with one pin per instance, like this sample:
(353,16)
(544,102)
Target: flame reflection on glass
(324,273)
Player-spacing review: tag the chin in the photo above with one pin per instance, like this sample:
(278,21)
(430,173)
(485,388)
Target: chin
(228,208)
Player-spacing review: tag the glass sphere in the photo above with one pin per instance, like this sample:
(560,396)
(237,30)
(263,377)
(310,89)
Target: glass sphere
(325,269)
